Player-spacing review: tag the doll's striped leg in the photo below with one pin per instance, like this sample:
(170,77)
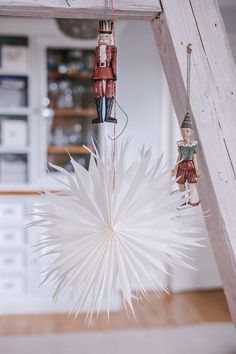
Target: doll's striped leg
(109,94)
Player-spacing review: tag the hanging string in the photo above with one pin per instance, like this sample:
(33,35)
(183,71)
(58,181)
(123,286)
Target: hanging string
(114,126)
(126,123)
(189,52)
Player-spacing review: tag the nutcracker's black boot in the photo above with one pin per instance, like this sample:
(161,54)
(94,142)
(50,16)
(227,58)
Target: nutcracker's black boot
(109,104)
(98,102)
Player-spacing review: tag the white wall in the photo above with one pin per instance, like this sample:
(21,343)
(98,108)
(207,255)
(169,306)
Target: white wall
(142,89)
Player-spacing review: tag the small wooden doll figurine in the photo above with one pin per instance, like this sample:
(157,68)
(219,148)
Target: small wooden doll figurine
(186,169)
(104,75)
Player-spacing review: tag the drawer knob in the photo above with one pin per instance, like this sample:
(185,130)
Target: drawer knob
(8,236)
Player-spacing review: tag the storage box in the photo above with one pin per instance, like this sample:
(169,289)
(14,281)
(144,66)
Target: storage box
(11,212)
(13,133)
(12,285)
(14,58)
(12,262)
(11,237)
(13,91)
(13,169)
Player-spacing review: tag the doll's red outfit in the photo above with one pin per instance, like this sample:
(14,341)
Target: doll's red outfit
(104,77)
(186,170)
(105,69)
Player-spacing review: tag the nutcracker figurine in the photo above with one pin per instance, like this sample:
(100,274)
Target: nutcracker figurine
(104,75)
(186,169)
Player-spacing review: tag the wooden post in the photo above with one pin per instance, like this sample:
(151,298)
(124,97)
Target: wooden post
(213,104)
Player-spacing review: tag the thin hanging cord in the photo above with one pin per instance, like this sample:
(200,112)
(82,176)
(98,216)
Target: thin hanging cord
(126,123)
(114,127)
(189,52)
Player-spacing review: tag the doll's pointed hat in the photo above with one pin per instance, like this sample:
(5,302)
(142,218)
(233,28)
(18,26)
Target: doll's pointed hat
(187,122)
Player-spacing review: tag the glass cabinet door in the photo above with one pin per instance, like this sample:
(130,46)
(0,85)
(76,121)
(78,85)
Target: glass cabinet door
(70,105)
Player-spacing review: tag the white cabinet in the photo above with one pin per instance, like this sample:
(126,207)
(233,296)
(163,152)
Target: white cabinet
(11,286)
(46,102)
(11,212)
(20,267)
(12,237)
(46,109)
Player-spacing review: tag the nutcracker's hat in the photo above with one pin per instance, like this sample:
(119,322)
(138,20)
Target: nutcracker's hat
(105,26)
(187,122)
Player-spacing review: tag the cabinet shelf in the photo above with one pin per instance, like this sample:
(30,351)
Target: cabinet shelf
(74,76)
(15,111)
(14,73)
(70,149)
(14,149)
(69,112)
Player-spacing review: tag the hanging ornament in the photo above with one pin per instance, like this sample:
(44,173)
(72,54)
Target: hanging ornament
(78,28)
(104,75)
(108,237)
(186,169)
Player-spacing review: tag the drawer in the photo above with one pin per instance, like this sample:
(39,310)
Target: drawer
(11,237)
(12,286)
(11,211)
(12,262)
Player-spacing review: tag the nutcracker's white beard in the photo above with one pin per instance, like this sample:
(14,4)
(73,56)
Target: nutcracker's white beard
(103,54)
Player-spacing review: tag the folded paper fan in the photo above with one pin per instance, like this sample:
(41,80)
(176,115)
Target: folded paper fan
(114,226)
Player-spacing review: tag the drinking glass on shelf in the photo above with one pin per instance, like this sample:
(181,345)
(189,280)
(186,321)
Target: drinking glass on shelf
(53,90)
(65,98)
(59,138)
(76,63)
(89,61)
(51,61)
(74,135)
(78,92)
(88,99)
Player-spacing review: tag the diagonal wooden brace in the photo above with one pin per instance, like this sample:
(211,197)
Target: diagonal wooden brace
(213,105)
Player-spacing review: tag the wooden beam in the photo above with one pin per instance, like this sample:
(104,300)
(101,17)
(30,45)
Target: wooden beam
(213,104)
(91,9)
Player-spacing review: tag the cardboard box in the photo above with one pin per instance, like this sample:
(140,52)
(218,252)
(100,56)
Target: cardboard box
(13,133)
(13,169)
(14,58)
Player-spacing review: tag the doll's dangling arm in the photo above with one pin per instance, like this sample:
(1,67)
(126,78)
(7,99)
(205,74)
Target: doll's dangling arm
(114,65)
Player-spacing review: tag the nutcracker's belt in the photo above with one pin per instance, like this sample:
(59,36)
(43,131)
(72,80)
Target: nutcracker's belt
(104,65)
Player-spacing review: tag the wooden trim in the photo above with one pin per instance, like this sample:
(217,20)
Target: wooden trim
(213,104)
(153,311)
(20,192)
(28,193)
(73,76)
(74,112)
(91,9)
(70,149)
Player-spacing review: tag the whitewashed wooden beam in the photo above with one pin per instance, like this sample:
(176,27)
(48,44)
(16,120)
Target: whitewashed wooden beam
(90,9)
(213,104)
